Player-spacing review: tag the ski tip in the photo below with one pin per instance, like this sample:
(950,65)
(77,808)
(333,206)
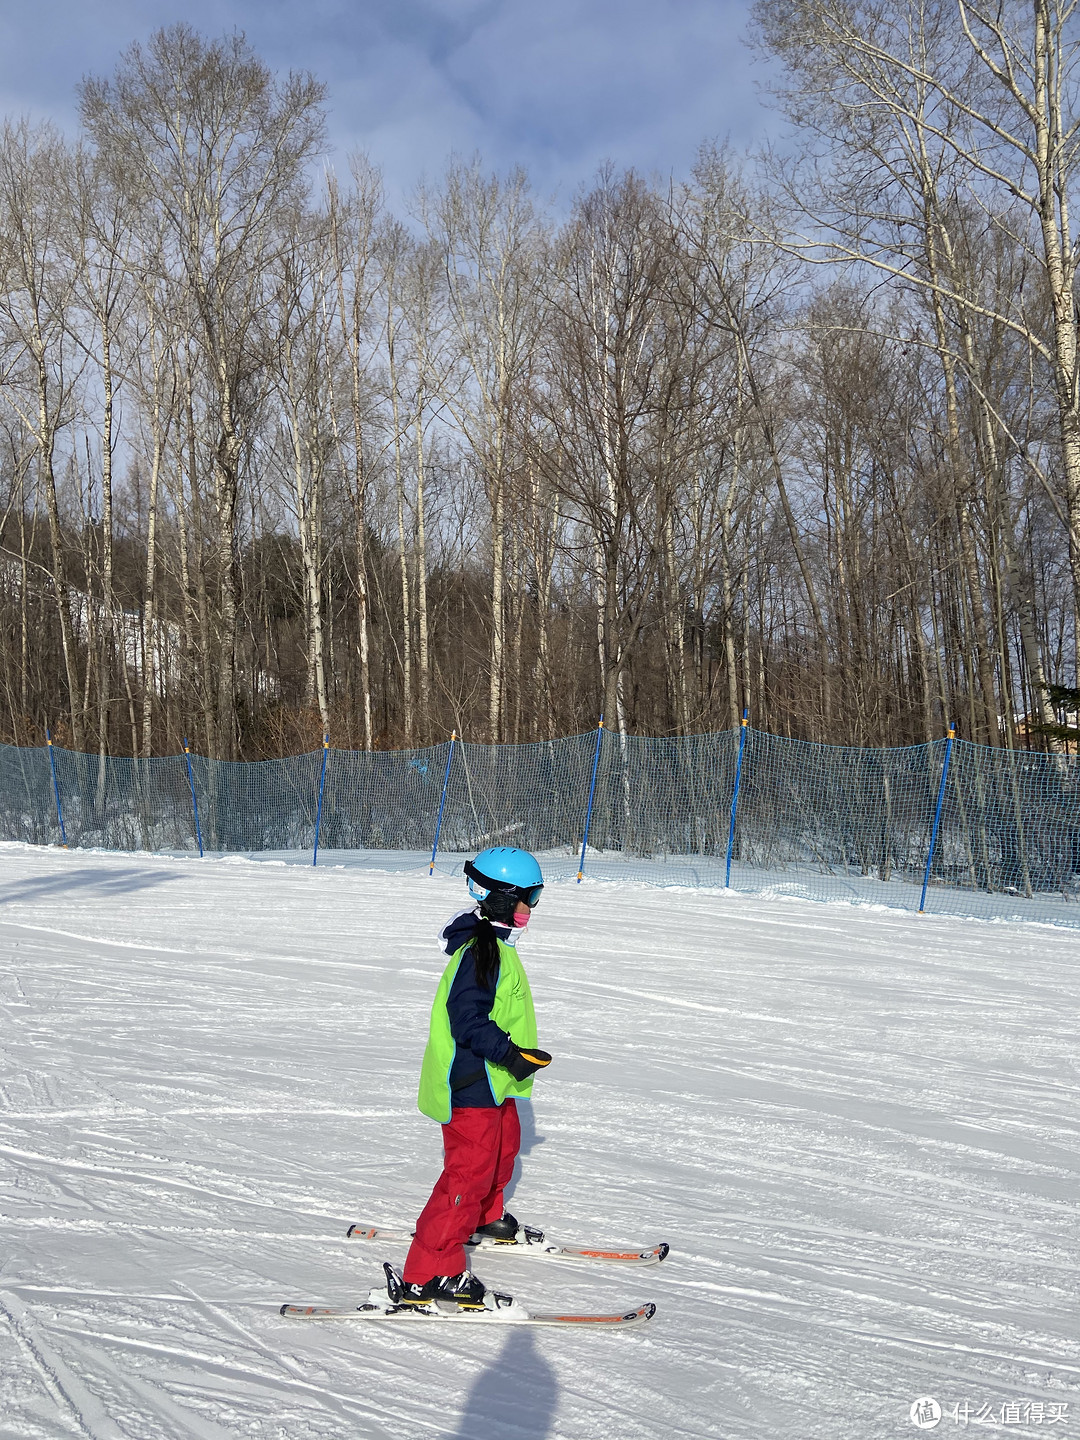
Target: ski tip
(662,1252)
(284,1310)
(646,1312)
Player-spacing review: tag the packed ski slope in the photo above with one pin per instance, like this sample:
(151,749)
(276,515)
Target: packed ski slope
(857,1128)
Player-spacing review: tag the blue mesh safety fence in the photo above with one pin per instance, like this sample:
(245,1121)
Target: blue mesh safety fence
(818,821)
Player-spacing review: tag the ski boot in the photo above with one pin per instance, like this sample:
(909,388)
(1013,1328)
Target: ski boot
(503,1232)
(445,1295)
(464,1291)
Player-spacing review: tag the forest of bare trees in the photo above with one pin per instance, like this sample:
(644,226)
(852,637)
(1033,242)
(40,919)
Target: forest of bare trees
(799,434)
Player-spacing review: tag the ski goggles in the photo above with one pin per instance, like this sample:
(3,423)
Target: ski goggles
(530,894)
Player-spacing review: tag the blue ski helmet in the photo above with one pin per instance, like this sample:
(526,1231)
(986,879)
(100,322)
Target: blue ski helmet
(505,871)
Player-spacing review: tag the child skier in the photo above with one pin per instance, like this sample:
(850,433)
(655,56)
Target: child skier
(481,1053)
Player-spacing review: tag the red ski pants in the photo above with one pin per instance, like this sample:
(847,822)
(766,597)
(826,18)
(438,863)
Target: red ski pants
(480,1146)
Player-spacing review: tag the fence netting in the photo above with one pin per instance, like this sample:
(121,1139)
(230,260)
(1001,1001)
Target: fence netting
(819,821)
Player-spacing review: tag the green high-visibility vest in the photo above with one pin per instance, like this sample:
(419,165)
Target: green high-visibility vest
(512,1011)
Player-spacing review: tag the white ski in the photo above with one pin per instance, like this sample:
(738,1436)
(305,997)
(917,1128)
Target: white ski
(513,1315)
(531,1242)
(497,1309)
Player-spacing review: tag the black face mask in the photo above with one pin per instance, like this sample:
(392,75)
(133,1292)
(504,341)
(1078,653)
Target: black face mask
(499,907)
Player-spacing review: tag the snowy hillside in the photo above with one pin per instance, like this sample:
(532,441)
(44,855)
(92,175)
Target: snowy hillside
(857,1129)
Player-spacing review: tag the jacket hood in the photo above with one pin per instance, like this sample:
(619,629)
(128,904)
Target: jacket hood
(461,928)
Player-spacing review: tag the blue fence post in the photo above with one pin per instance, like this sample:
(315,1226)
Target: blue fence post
(592,792)
(735,796)
(442,802)
(937,815)
(194,802)
(318,809)
(56,789)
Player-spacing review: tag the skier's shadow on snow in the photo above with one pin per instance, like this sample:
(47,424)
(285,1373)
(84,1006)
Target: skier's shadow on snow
(529,1138)
(515,1397)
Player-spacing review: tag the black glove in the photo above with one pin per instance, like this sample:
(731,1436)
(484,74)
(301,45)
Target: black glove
(523,1063)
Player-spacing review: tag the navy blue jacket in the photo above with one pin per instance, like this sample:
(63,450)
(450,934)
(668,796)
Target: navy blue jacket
(468,1005)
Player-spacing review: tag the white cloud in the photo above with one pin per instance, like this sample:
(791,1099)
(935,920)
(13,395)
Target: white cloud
(557,87)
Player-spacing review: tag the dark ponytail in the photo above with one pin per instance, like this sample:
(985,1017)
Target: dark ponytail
(486,954)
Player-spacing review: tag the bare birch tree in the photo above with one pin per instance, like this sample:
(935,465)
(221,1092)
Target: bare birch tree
(491,238)
(206,134)
(36,292)
(985,95)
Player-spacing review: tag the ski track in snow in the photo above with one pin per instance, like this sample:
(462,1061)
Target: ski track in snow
(858,1129)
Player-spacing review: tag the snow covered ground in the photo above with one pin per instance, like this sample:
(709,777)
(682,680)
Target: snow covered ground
(857,1128)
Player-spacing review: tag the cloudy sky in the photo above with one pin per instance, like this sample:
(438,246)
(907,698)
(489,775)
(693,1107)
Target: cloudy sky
(556,85)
